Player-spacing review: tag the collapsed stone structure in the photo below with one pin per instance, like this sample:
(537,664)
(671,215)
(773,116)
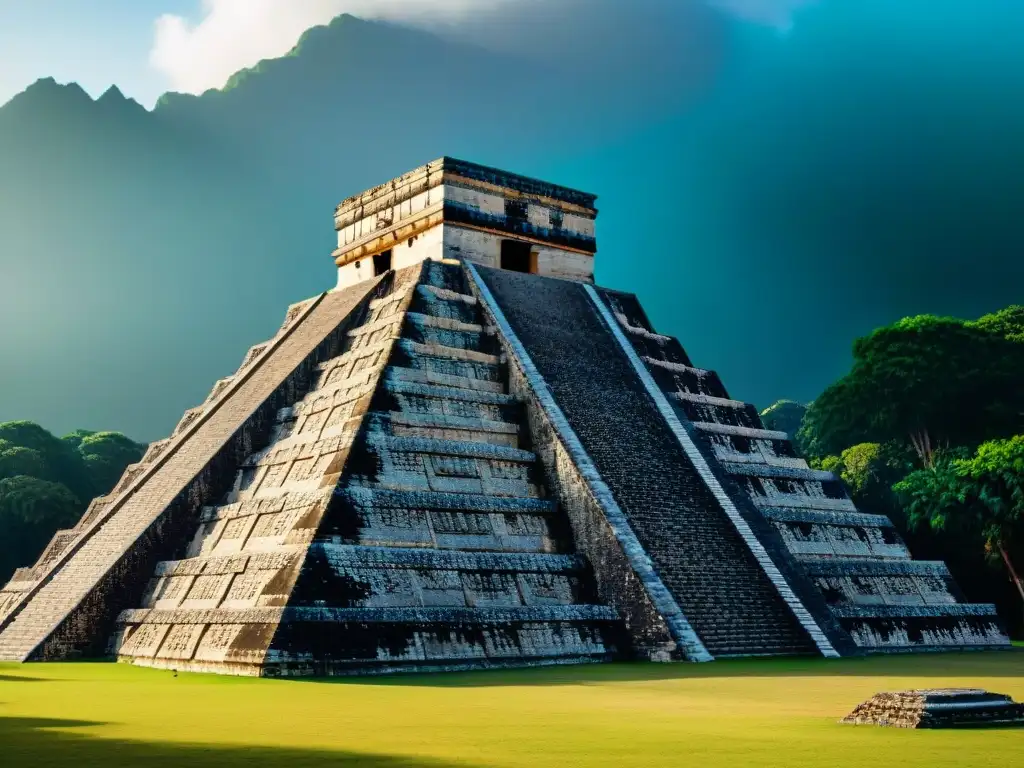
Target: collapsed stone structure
(938,708)
(468,455)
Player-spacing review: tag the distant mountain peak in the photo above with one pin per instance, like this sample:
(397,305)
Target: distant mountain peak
(113,98)
(45,93)
(113,93)
(48,85)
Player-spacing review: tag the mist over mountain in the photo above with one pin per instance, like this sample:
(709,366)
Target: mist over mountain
(769,197)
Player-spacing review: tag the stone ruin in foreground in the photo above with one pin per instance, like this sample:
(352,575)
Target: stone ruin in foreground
(465,456)
(939,708)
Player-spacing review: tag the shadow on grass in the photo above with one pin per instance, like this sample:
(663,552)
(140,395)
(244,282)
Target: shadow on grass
(24,679)
(38,742)
(1008,663)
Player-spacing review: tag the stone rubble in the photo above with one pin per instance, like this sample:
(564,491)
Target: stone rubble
(938,708)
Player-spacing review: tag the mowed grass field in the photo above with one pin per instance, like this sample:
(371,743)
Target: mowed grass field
(729,713)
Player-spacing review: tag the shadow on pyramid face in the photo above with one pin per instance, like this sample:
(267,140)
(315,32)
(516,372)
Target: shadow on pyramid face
(37,741)
(1002,664)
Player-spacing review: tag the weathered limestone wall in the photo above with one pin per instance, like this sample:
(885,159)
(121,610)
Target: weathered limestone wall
(478,208)
(416,248)
(451,241)
(484,248)
(359,224)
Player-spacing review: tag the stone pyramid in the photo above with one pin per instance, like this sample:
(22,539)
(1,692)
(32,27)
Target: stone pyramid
(467,455)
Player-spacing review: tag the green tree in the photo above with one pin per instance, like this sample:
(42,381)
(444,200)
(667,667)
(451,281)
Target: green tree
(18,460)
(106,454)
(45,483)
(980,495)
(784,416)
(1008,323)
(869,471)
(929,382)
(63,463)
(31,510)
(74,439)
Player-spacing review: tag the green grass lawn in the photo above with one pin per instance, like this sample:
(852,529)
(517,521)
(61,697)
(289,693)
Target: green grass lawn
(729,713)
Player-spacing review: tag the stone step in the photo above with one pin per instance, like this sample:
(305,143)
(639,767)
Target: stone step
(388,326)
(798,501)
(447,276)
(434,379)
(728,429)
(826,517)
(449,393)
(431,519)
(423,320)
(771,471)
(429,400)
(722,402)
(394,577)
(381,498)
(434,293)
(402,615)
(870,566)
(756,457)
(677,377)
(729,652)
(399,424)
(453,362)
(414,463)
(369,557)
(957,610)
(421,349)
(373,648)
(455,448)
(439,302)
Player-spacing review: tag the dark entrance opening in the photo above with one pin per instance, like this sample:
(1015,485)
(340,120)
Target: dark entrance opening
(515,256)
(381,263)
(516,212)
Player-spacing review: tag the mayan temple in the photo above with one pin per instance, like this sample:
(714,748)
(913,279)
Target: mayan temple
(467,455)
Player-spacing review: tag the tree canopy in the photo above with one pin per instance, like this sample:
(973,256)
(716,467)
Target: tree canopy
(105,455)
(928,382)
(46,483)
(979,495)
(784,416)
(1008,323)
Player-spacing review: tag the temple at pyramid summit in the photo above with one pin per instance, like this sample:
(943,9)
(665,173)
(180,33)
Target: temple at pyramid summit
(467,455)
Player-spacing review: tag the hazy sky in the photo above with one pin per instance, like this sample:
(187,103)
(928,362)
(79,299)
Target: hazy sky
(147,47)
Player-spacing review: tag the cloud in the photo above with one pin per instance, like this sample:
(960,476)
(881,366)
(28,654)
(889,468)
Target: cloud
(774,13)
(230,35)
(234,34)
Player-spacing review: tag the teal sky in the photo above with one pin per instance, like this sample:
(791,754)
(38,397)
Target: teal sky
(769,192)
(94,43)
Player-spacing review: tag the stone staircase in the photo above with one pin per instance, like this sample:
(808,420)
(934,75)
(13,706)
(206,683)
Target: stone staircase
(700,557)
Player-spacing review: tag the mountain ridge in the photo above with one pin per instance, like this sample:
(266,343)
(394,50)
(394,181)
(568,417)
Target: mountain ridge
(759,218)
